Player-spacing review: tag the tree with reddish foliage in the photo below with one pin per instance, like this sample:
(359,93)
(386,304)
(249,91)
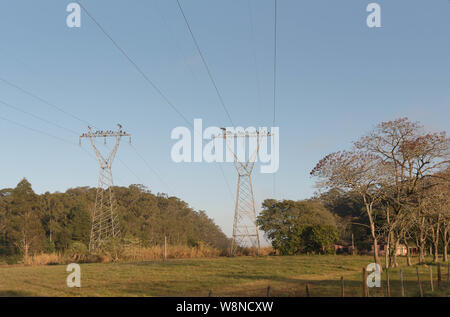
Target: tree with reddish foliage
(356,171)
(394,166)
(414,157)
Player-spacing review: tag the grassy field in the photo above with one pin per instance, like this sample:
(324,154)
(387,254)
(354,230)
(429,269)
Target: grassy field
(239,276)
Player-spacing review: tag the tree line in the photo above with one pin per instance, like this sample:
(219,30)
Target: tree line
(400,173)
(32,223)
(392,188)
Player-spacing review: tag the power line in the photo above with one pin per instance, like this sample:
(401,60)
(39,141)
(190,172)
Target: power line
(169,27)
(255,61)
(146,78)
(151,168)
(44,101)
(274,77)
(275,61)
(214,84)
(205,64)
(36,130)
(127,167)
(80,119)
(37,117)
(48,121)
(244,204)
(226,182)
(43,133)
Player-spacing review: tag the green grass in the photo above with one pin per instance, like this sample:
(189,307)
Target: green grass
(239,276)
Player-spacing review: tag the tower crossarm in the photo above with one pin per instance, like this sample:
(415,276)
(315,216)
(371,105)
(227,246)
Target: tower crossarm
(243,168)
(104,134)
(92,135)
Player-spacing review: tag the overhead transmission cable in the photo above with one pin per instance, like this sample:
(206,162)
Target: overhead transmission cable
(36,130)
(140,71)
(219,95)
(37,117)
(44,133)
(205,64)
(146,78)
(132,62)
(254,55)
(151,168)
(48,122)
(274,78)
(44,101)
(127,167)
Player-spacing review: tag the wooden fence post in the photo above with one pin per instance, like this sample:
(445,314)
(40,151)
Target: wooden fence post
(365,291)
(418,280)
(307,289)
(165,248)
(431,278)
(268,291)
(342,286)
(401,283)
(439,275)
(210,293)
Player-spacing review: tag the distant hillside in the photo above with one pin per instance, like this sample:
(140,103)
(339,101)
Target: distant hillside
(53,221)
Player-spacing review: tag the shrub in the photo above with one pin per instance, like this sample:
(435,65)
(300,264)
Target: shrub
(11,259)
(77,252)
(319,239)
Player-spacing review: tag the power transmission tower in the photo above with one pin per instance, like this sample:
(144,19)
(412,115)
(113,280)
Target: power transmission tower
(105,223)
(245,229)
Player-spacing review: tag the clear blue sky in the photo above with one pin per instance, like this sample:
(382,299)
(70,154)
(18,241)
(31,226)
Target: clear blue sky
(336,79)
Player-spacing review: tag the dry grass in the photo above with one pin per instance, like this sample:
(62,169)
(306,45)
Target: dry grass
(136,253)
(264,251)
(224,276)
(128,254)
(173,252)
(45,259)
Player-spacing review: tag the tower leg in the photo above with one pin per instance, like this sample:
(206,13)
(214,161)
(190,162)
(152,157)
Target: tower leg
(104,220)
(245,230)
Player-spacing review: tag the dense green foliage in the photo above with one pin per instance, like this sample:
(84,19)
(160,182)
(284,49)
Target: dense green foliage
(298,226)
(319,238)
(350,215)
(31,223)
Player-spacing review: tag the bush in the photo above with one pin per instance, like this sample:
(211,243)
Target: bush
(319,239)
(77,252)
(285,221)
(11,259)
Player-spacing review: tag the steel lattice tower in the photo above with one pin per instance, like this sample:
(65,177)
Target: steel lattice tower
(245,229)
(105,222)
